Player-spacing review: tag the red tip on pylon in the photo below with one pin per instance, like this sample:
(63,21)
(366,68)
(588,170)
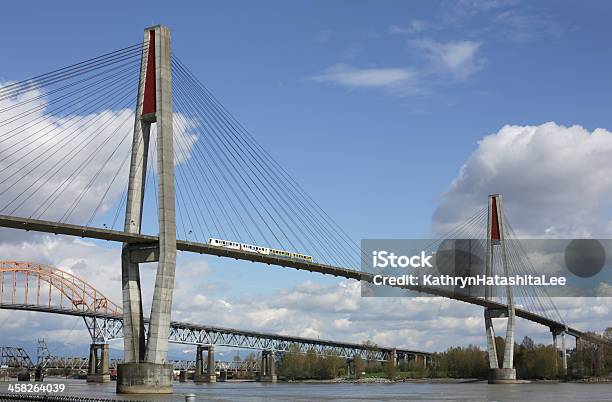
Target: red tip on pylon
(149,101)
(495,235)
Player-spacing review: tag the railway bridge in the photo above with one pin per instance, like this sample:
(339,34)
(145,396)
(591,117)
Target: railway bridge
(26,286)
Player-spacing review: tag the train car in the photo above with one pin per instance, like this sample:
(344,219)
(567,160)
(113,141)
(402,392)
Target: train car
(301,256)
(224,243)
(255,249)
(280,253)
(249,248)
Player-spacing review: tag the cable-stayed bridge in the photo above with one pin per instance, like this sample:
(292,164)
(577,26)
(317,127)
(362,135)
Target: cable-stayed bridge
(134,134)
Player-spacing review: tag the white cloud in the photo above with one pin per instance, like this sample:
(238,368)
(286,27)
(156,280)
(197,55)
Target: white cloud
(465,8)
(413,27)
(520,27)
(56,167)
(458,58)
(555,180)
(342,323)
(348,76)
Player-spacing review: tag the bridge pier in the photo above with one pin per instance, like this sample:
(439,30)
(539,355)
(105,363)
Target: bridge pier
(554,335)
(350,367)
(98,365)
(268,366)
(579,356)
(424,361)
(145,369)
(564,352)
(393,357)
(183,376)
(39,374)
(200,376)
(496,241)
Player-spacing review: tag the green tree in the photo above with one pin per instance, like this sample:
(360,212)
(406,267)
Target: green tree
(462,362)
(292,363)
(359,366)
(390,370)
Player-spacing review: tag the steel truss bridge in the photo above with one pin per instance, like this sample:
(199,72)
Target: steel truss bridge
(16,357)
(37,287)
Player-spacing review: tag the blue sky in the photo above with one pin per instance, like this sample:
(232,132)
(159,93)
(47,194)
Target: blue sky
(259,59)
(386,100)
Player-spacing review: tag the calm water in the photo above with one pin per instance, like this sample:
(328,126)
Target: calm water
(254,391)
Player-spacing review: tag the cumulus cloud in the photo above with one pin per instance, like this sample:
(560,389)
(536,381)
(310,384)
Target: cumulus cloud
(68,166)
(555,180)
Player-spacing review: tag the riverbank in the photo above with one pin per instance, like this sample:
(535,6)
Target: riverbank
(381,380)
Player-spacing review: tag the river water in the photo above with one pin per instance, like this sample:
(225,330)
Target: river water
(255,391)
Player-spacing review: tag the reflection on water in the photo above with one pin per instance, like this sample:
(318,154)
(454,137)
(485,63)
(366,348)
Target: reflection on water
(255,391)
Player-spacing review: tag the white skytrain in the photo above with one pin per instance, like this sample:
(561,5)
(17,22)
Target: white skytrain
(258,249)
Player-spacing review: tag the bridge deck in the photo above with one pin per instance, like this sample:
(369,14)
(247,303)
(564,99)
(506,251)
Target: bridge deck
(202,248)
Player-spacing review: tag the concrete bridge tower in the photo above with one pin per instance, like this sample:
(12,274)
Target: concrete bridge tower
(145,368)
(496,246)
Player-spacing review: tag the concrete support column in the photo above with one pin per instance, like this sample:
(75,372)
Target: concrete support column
(210,367)
(579,355)
(554,334)
(183,376)
(159,327)
(268,367)
(264,363)
(91,364)
(564,352)
(393,357)
(105,366)
(491,347)
(509,344)
(98,365)
(150,373)
(199,369)
(200,376)
(272,366)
